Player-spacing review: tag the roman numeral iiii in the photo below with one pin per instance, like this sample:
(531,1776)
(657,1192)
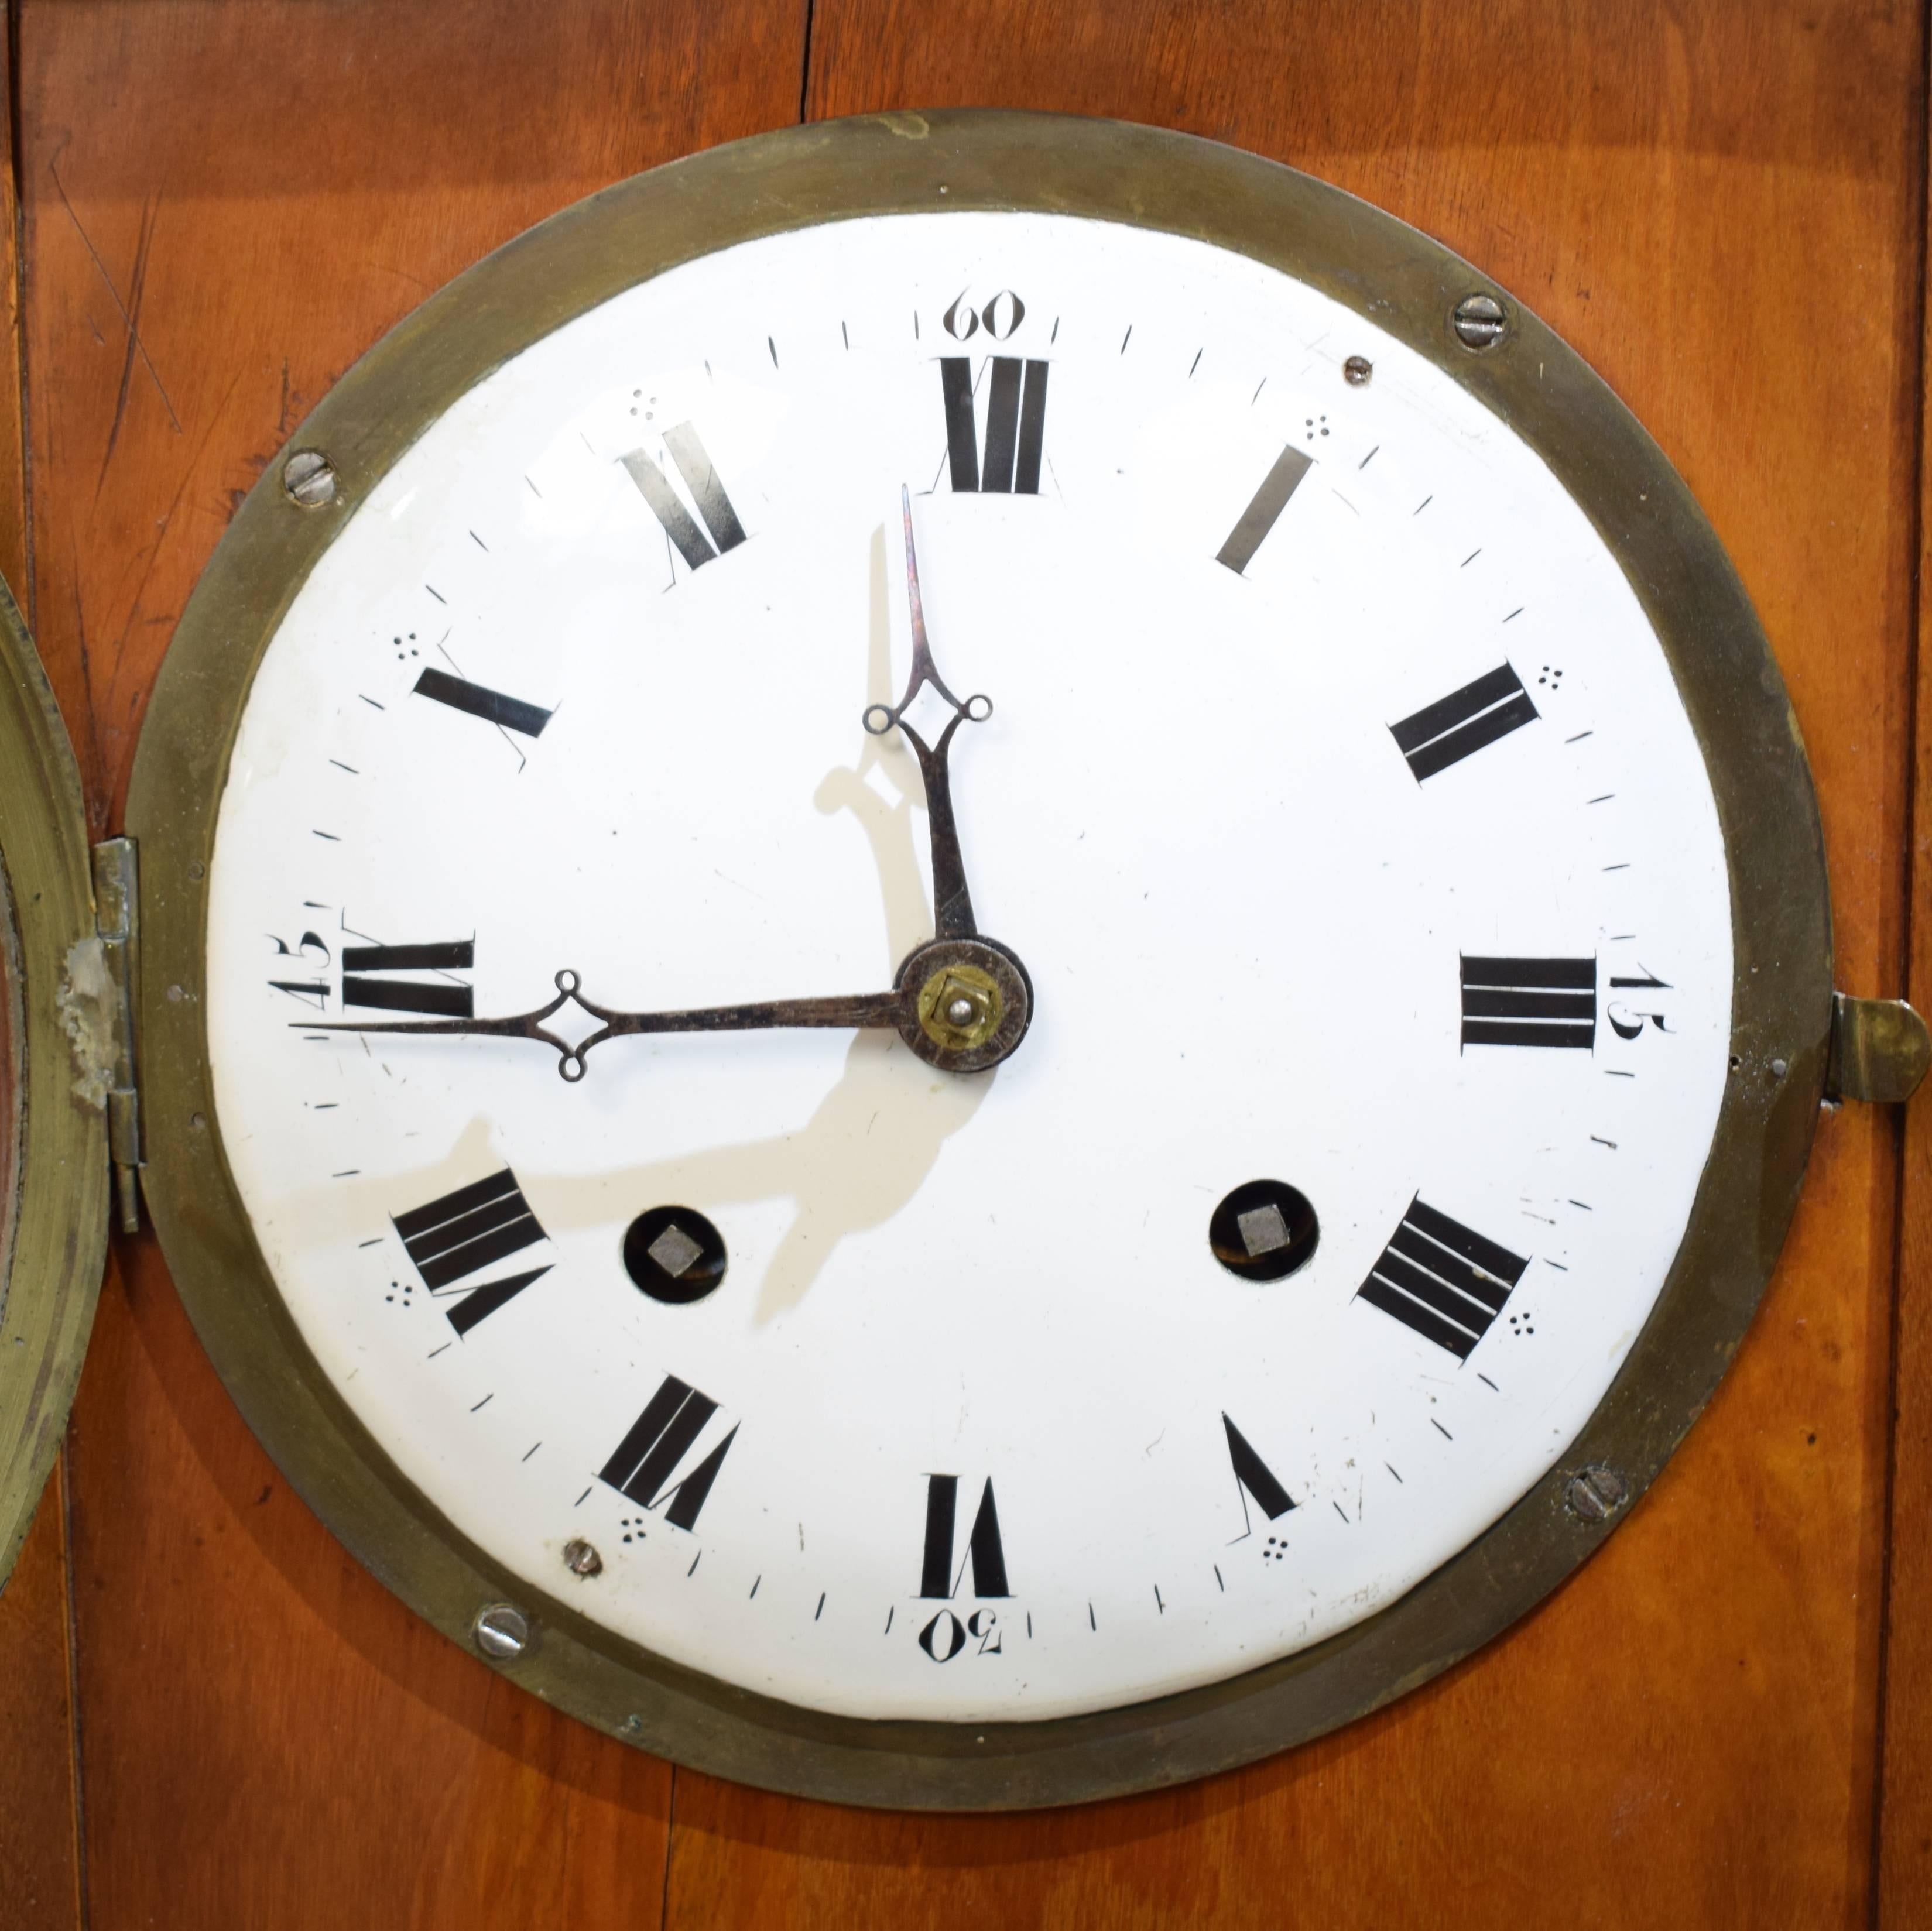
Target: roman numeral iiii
(1442,1280)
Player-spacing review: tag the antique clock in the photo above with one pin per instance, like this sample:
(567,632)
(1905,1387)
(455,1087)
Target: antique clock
(965,960)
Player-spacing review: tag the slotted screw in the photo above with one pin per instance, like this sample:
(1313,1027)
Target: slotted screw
(1479,321)
(502,1631)
(1597,1493)
(309,477)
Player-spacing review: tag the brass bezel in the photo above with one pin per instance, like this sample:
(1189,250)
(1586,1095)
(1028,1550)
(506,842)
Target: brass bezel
(1383,270)
(52,1279)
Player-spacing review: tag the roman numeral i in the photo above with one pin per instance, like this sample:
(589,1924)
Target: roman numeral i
(1016,424)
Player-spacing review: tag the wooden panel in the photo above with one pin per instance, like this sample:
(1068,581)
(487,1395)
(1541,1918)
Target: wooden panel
(1686,1734)
(226,201)
(39,1865)
(40,1875)
(1905,1817)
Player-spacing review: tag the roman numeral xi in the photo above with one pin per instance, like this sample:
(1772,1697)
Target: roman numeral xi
(1529,1002)
(644,1466)
(1016,424)
(1446,732)
(464,1232)
(1441,1280)
(707,492)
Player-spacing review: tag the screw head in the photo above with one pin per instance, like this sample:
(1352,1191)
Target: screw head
(502,1631)
(1597,1493)
(581,1559)
(309,477)
(1356,370)
(1479,321)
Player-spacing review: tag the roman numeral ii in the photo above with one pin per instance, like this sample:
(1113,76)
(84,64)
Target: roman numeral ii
(360,987)
(1441,1280)
(1446,732)
(462,1232)
(707,492)
(1016,424)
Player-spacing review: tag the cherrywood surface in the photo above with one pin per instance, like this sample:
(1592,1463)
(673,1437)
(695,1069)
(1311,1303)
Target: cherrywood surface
(1720,202)
(1904,1870)
(40,1867)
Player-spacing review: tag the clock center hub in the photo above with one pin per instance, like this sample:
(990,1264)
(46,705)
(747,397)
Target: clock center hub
(969,1003)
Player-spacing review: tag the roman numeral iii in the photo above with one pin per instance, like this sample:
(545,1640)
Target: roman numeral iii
(1441,1280)
(360,987)
(644,1466)
(462,1232)
(1529,1002)
(1446,732)
(707,493)
(1016,424)
(985,1556)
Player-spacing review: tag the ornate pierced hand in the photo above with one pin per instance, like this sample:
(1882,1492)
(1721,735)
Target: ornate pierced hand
(952,904)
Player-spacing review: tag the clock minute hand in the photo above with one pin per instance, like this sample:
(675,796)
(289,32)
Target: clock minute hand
(952,902)
(889,1010)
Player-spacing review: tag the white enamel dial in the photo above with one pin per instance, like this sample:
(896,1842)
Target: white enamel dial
(1336,794)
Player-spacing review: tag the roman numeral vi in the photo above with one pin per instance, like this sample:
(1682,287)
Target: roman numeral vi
(984,1556)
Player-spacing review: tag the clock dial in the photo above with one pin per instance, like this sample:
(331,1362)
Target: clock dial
(1329,840)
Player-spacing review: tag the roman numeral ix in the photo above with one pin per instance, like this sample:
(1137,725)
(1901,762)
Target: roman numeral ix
(1529,1002)
(707,492)
(1446,732)
(985,1556)
(463,1233)
(1016,424)
(1441,1280)
(410,995)
(645,1461)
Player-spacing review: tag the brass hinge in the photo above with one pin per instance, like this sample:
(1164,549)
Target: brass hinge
(1879,1051)
(117,918)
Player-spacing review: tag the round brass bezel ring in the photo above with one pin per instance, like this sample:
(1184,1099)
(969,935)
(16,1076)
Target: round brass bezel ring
(1383,271)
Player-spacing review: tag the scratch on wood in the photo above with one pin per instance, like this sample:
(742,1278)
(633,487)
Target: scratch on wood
(137,283)
(100,267)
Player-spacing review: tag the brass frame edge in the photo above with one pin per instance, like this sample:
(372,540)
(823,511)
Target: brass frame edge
(1386,272)
(60,1235)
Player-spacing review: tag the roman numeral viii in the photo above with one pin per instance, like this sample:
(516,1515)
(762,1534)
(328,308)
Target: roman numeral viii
(1441,1280)
(1446,732)
(360,987)
(1529,1002)
(644,1466)
(707,492)
(985,1556)
(463,1233)
(1016,424)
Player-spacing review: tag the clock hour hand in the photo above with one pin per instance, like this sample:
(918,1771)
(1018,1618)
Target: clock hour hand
(961,1004)
(952,904)
(886,1009)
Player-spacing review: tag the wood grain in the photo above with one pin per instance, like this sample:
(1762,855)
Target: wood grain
(40,1844)
(1904,1860)
(1686,1734)
(226,201)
